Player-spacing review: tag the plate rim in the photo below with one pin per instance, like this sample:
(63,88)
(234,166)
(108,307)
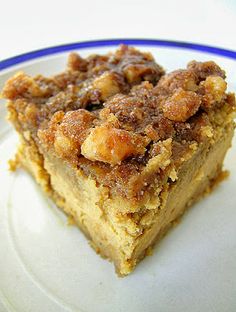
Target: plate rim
(35,54)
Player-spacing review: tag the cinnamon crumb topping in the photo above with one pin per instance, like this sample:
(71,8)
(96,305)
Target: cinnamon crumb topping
(111,114)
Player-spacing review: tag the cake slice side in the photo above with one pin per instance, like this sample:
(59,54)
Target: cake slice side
(90,205)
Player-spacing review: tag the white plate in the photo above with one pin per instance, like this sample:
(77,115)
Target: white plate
(46,265)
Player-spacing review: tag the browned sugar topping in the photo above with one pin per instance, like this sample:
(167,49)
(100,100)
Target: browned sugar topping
(109,114)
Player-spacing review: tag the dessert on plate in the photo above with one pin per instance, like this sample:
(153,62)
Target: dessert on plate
(121,146)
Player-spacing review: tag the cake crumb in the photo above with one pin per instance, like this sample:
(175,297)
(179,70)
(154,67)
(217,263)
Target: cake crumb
(207,131)
(149,251)
(223,175)
(13,164)
(71,221)
(173,175)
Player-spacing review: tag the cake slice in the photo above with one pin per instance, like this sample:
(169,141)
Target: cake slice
(122,147)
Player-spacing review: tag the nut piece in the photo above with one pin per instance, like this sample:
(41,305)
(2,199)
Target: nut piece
(216,86)
(181,105)
(181,78)
(112,145)
(66,132)
(21,85)
(107,84)
(135,73)
(76,62)
(204,69)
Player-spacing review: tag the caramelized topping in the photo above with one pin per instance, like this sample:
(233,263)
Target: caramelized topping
(204,69)
(108,84)
(112,115)
(214,91)
(112,145)
(24,86)
(182,78)
(66,132)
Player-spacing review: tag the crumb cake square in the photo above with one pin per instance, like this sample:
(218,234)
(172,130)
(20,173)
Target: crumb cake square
(121,146)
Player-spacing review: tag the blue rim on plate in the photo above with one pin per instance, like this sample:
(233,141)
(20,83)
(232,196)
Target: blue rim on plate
(113,42)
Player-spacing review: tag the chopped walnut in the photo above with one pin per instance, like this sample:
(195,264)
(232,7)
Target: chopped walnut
(137,66)
(67,132)
(135,73)
(107,84)
(76,62)
(181,105)
(204,69)
(111,145)
(22,85)
(214,90)
(181,78)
